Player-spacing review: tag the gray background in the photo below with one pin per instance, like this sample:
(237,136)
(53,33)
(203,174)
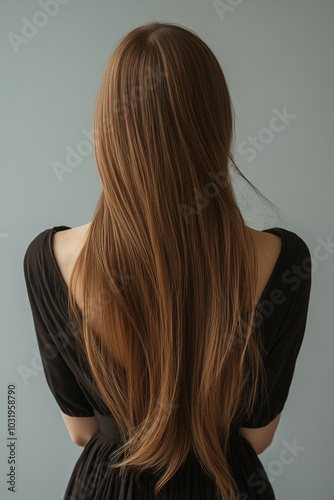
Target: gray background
(274,55)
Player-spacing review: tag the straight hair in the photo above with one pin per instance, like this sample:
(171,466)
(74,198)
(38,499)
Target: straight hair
(168,270)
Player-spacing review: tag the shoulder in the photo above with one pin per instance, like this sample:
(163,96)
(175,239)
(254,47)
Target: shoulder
(295,267)
(268,245)
(34,253)
(289,262)
(66,246)
(38,253)
(278,240)
(296,253)
(69,240)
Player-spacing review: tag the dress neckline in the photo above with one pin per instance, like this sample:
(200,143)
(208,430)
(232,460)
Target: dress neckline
(273,230)
(281,233)
(55,229)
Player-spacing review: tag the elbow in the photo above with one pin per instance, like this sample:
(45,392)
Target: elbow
(259,446)
(260,449)
(82,440)
(80,429)
(79,441)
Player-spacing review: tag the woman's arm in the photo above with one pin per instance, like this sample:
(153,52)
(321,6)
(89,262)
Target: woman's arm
(81,429)
(260,438)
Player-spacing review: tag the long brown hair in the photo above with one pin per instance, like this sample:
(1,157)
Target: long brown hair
(168,268)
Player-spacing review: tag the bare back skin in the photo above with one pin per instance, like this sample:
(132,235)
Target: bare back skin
(67,244)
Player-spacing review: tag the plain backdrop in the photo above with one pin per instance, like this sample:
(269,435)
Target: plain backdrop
(278,60)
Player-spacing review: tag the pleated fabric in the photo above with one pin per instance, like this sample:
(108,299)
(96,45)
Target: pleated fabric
(92,478)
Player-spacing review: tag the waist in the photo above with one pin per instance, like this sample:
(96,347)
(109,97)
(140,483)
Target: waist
(108,427)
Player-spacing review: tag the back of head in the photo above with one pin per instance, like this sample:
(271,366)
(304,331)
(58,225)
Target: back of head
(169,270)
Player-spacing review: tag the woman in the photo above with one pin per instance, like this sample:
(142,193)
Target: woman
(168,329)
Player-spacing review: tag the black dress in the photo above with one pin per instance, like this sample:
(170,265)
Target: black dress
(283,307)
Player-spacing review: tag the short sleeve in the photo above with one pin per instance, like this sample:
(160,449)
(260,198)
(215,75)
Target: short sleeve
(60,379)
(281,358)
